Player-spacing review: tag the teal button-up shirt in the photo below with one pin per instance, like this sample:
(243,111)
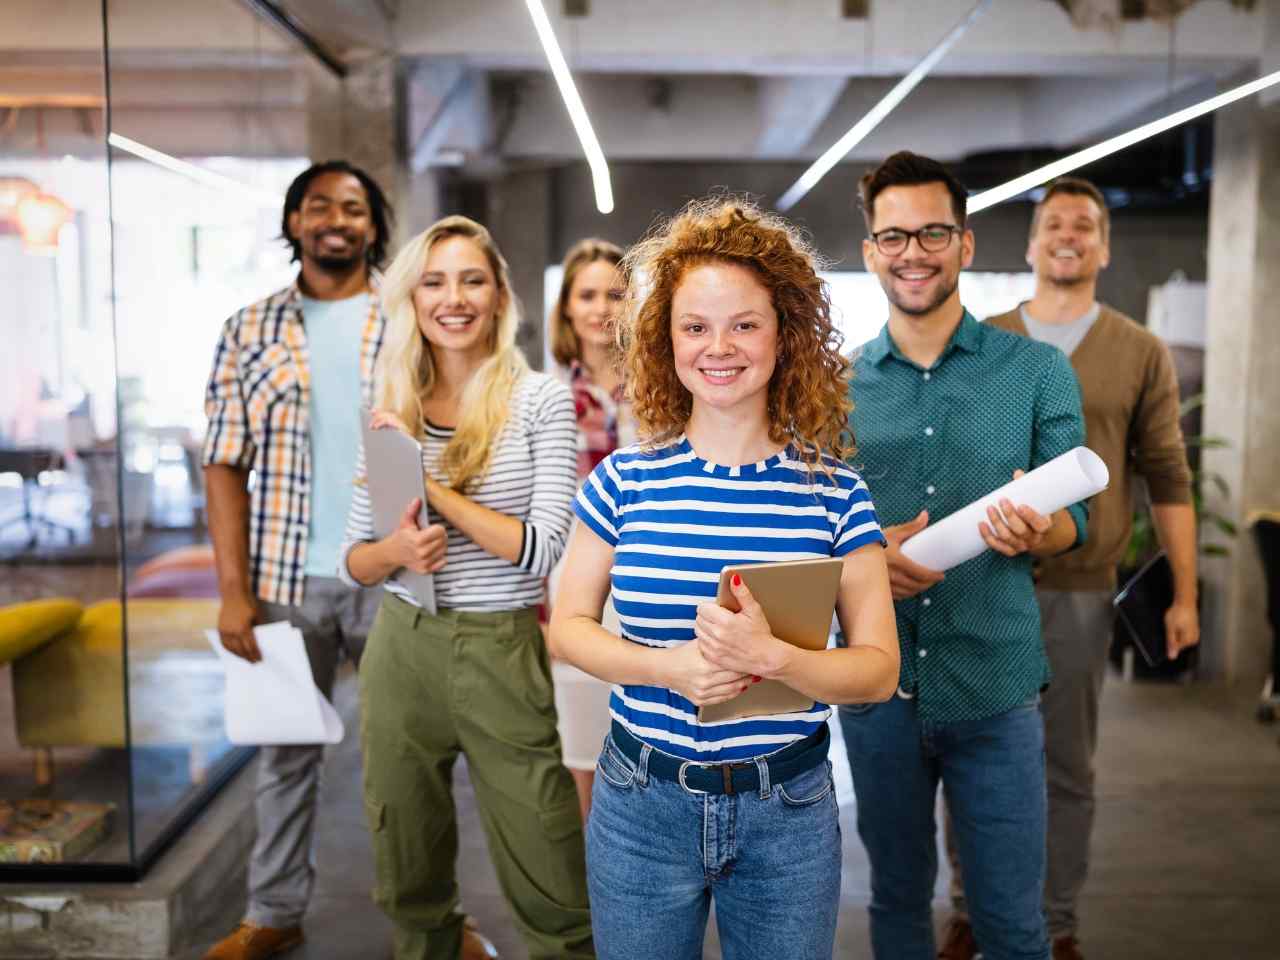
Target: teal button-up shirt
(938,439)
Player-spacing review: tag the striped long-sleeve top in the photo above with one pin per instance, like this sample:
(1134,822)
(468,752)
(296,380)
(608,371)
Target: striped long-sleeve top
(532,477)
(675,521)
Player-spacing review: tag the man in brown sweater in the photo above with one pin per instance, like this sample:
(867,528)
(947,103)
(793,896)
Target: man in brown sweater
(1131,421)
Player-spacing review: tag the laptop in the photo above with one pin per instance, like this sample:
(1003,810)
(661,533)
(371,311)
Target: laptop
(1140,606)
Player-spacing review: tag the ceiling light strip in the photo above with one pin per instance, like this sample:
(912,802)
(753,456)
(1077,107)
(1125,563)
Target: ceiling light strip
(207,177)
(573,102)
(858,132)
(1020,185)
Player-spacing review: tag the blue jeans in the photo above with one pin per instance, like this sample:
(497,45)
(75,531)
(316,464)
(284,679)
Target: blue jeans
(657,854)
(992,771)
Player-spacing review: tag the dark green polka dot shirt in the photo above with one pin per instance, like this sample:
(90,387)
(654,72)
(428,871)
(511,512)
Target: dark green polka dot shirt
(938,439)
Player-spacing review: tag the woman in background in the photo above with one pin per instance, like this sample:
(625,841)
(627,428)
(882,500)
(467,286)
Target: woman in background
(584,345)
(498,451)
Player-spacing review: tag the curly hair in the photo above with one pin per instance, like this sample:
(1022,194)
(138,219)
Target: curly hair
(379,208)
(808,400)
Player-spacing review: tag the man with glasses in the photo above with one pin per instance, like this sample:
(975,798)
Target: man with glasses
(946,410)
(1127,378)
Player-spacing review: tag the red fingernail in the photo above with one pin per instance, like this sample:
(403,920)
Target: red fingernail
(755,679)
(737,580)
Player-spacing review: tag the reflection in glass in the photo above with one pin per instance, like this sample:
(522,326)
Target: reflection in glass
(115,279)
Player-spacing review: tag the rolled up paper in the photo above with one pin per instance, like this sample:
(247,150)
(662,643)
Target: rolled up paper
(1076,475)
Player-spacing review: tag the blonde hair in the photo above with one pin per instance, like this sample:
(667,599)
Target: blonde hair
(808,400)
(406,368)
(564,342)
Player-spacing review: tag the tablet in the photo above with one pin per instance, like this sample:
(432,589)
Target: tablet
(799,599)
(393,468)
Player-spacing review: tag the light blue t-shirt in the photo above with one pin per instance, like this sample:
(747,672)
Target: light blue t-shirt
(334,331)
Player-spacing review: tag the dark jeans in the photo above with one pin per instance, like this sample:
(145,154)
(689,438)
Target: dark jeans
(993,774)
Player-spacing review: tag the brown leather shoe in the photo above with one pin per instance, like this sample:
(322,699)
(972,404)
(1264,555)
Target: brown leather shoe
(475,945)
(252,942)
(1067,948)
(958,944)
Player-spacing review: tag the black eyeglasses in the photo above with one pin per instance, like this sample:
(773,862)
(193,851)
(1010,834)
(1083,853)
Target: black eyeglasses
(932,238)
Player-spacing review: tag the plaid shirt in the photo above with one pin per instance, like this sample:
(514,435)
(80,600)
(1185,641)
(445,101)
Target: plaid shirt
(258,403)
(604,418)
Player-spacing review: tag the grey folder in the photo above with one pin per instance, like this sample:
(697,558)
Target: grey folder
(393,466)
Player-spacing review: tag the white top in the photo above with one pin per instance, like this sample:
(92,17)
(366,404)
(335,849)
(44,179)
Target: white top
(532,477)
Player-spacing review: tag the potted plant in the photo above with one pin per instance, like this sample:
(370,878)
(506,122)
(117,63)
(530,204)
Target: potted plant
(1211,528)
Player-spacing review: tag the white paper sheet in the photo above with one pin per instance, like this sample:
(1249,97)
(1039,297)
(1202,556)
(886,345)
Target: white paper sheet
(275,701)
(1074,476)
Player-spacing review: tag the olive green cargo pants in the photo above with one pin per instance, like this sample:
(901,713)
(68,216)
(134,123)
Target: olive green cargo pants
(432,687)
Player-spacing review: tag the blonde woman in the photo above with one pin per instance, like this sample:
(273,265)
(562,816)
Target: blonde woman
(499,445)
(740,391)
(583,343)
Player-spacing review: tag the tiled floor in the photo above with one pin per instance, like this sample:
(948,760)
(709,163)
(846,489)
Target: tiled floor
(1187,847)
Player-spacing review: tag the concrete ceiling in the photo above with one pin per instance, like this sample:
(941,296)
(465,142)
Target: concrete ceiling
(666,79)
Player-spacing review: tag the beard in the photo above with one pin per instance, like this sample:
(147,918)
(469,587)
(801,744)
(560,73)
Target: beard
(1067,283)
(945,290)
(338,263)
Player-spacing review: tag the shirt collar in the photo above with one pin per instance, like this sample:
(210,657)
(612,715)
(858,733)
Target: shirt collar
(967,337)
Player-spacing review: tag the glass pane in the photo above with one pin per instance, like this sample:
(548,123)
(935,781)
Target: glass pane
(64,769)
(198,174)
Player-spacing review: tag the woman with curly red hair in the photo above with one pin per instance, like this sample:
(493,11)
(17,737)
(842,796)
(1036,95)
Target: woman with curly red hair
(739,389)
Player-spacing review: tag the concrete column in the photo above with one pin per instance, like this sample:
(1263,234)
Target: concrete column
(1242,389)
(360,119)
(520,219)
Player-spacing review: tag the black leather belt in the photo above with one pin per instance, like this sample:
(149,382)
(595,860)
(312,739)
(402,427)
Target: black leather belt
(727,778)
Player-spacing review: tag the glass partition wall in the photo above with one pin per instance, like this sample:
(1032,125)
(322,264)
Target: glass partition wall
(118,265)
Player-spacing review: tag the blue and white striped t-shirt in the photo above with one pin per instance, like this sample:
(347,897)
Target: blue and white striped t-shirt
(674,521)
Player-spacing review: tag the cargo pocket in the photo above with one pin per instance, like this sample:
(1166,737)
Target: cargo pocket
(375,814)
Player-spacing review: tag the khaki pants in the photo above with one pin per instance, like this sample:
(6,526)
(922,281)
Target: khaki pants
(432,687)
(334,620)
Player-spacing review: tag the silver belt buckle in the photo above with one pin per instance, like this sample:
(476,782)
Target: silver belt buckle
(680,776)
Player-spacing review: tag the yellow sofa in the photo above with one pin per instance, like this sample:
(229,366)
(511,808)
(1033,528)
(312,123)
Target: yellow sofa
(69,691)
(26,626)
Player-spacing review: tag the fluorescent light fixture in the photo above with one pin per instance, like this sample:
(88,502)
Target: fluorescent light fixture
(207,177)
(573,102)
(858,132)
(1020,185)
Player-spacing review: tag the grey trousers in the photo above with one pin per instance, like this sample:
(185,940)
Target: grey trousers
(1076,625)
(334,620)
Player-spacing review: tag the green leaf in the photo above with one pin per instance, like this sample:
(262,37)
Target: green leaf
(1191,404)
(1225,525)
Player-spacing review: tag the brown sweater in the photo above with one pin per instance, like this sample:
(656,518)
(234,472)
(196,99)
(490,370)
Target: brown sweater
(1130,397)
